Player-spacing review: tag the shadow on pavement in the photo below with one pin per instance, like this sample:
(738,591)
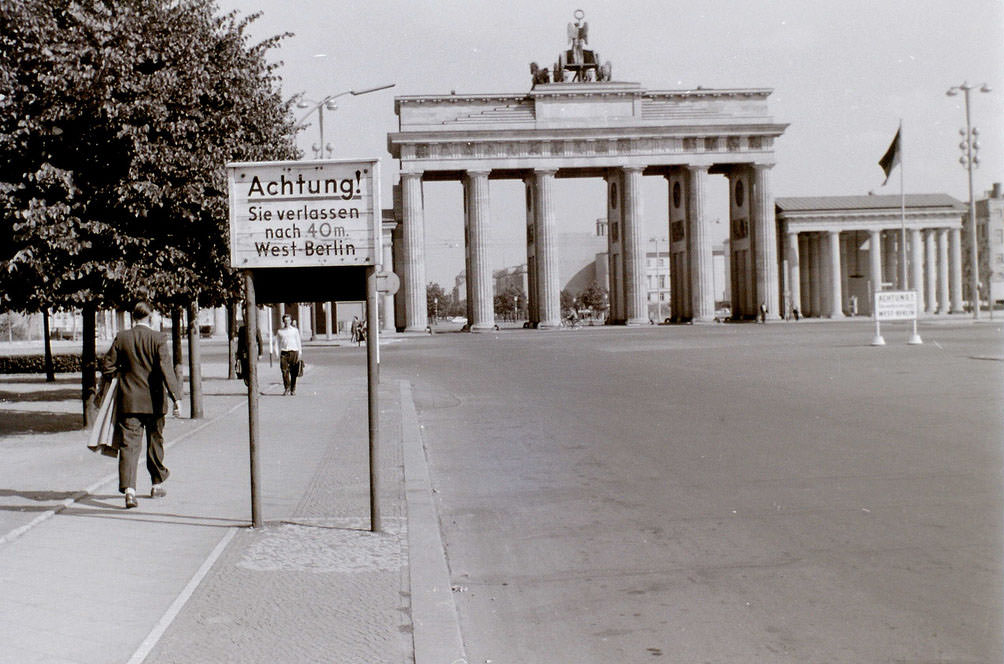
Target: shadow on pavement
(40,395)
(39,379)
(15,422)
(113,507)
(41,496)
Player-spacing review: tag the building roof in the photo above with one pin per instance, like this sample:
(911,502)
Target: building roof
(820,203)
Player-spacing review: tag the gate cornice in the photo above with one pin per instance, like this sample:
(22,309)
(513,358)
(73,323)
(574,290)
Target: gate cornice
(583,125)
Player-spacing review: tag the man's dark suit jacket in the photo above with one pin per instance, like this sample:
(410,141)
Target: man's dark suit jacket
(139,358)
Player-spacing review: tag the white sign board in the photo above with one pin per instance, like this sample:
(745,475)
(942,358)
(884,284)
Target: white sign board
(896,305)
(304,213)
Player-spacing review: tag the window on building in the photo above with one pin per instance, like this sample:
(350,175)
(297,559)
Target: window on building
(999,236)
(1000,259)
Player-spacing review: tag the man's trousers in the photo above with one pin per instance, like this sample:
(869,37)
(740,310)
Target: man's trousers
(130,428)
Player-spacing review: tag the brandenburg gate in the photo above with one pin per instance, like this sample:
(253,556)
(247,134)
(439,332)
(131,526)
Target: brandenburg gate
(591,126)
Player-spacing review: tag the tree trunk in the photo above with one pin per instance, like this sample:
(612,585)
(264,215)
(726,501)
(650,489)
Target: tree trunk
(88,364)
(176,348)
(231,339)
(50,371)
(194,361)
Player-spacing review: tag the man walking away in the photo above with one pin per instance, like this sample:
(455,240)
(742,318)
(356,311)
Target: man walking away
(290,347)
(140,359)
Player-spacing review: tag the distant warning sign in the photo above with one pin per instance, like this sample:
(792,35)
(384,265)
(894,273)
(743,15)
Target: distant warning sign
(304,213)
(896,305)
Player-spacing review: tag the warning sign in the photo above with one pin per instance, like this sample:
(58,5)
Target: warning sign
(896,305)
(304,213)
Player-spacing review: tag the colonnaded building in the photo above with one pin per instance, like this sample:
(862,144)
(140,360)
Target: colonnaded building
(576,122)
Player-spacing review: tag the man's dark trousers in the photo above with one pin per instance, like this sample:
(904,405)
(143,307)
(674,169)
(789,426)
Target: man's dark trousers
(131,427)
(289,364)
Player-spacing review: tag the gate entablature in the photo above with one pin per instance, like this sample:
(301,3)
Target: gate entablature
(590,125)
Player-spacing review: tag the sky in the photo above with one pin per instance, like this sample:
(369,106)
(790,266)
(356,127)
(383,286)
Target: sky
(843,74)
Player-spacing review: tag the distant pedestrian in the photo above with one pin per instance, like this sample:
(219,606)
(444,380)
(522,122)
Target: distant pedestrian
(290,349)
(243,356)
(796,313)
(362,333)
(355,329)
(139,358)
(763,313)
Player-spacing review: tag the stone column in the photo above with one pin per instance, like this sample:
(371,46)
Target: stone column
(846,242)
(327,320)
(943,305)
(794,270)
(482,310)
(805,271)
(917,266)
(931,267)
(816,281)
(220,323)
(699,249)
(955,272)
(635,283)
(834,274)
(386,299)
(532,305)
(413,253)
(891,262)
(548,285)
(303,321)
(874,266)
(765,241)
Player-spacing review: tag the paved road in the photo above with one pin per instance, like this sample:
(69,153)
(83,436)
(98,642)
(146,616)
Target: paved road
(730,493)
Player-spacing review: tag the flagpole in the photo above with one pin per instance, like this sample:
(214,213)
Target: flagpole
(905,284)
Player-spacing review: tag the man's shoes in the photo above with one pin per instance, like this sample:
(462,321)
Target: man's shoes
(285,392)
(130,501)
(157,491)
(293,392)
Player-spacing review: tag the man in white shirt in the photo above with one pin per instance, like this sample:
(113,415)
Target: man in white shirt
(287,340)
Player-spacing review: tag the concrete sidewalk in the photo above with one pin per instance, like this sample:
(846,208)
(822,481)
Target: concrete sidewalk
(185,579)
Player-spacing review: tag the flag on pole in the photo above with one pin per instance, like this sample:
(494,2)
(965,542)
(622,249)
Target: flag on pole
(891,156)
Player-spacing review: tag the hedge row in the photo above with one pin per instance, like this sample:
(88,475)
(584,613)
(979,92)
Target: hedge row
(14,364)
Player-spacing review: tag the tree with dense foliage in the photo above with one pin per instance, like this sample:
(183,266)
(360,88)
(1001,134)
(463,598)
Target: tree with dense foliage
(435,300)
(594,298)
(510,304)
(117,118)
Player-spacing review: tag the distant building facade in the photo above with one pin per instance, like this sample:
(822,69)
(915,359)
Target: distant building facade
(836,251)
(990,242)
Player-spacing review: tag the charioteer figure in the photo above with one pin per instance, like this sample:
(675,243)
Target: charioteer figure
(578,62)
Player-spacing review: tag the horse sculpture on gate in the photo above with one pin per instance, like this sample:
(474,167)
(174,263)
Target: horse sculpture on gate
(580,63)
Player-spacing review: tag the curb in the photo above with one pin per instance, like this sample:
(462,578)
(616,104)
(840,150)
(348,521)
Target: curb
(437,636)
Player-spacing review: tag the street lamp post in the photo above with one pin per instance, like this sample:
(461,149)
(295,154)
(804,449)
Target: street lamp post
(329,104)
(969,146)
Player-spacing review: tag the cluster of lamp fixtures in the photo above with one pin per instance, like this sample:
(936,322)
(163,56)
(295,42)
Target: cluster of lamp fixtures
(970,144)
(328,105)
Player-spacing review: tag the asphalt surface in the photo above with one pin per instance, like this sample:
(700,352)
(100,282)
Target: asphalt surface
(717,493)
(722,493)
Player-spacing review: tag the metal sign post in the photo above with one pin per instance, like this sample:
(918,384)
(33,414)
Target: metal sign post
(372,384)
(251,334)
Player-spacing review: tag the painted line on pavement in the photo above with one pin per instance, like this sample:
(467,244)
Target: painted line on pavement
(48,514)
(436,636)
(179,602)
